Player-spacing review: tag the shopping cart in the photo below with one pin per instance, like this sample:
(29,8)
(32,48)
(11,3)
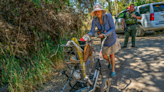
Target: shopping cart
(80,70)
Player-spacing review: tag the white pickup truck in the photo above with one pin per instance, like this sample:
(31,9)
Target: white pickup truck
(152,18)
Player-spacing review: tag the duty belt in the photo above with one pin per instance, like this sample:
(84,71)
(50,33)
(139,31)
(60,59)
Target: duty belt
(130,24)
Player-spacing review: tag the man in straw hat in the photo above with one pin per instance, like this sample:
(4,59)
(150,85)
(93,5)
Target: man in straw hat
(104,22)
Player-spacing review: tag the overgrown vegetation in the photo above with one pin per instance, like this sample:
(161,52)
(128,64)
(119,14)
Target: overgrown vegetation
(31,32)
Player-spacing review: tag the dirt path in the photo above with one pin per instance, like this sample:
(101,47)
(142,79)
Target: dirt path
(142,68)
(137,69)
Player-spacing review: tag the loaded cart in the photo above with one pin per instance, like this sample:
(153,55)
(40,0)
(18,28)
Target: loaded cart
(83,71)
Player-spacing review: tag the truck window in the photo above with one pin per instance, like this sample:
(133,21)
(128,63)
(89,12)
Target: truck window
(158,7)
(144,9)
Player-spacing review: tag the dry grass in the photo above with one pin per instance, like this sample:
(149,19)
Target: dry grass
(60,65)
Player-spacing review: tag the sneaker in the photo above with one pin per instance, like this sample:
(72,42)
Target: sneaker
(124,47)
(110,66)
(113,74)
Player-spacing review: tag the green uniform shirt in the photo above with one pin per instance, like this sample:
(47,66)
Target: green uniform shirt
(129,19)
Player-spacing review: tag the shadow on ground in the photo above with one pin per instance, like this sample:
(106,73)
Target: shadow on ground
(140,69)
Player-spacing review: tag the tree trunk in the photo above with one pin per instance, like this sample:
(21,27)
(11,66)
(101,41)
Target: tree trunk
(149,1)
(109,4)
(115,5)
(91,6)
(132,1)
(124,3)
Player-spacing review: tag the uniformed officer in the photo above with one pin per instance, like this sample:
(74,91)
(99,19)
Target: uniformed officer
(130,19)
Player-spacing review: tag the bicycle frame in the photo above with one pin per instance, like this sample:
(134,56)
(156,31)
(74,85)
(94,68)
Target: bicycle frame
(98,67)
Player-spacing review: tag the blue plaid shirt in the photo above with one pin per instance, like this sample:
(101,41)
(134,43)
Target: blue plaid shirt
(108,26)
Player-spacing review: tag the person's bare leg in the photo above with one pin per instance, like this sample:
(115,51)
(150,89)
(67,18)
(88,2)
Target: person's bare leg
(107,58)
(113,62)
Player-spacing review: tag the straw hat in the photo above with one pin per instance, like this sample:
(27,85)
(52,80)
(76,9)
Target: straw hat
(97,7)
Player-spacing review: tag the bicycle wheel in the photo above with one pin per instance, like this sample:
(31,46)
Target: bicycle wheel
(105,85)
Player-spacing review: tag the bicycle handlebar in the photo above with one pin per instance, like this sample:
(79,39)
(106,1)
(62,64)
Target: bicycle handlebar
(102,40)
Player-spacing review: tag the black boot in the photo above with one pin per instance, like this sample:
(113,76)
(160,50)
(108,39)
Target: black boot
(124,47)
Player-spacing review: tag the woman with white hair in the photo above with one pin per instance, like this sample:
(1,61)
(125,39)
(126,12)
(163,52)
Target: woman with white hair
(104,22)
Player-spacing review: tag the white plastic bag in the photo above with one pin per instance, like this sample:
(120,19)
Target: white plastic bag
(101,56)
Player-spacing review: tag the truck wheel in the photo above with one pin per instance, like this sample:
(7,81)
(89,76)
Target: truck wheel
(140,32)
